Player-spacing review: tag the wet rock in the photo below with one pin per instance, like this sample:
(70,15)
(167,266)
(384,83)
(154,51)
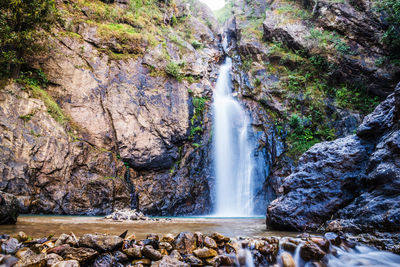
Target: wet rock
(134,252)
(287,260)
(9,208)
(165,245)
(144,262)
(219,237)
(126,215)
(289,246)
(66,239)
(185,243)
(131,237)
(193,261)
(69,263)
(32,259)
(8,260)
(104,260)
(333,238)
(59,249)
(205,253)
(101,243)
(310,251)
(321,242)
(52,259)
(225,260)
(22,237)
(10,246)
(169,238)
(79,254)
(352,178)
(153,237)
(337,167)
(269,249)
(151,253)
(210,243)
(176,255)
(120,257)
(334,226)
(168,261)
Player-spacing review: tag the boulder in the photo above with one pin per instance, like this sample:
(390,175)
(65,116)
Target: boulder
(150,253)
(310,251)
(185,243)
(79,254)
(287,260)
(353,179)
(168,261)
(326,179)
(70,263)
(52,259)
(205,252)
(101,243)
(10,246)
(9,208)
(133,252)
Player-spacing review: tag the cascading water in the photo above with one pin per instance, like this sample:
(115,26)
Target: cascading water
(232,151)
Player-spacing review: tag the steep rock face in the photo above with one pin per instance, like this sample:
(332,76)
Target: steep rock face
(354,179)
(349,35)
(122,136)
(49,171)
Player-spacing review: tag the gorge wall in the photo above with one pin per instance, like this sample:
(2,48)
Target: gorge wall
(308,72)
(121,117)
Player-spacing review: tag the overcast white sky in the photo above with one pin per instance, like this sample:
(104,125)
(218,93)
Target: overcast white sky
(214,4)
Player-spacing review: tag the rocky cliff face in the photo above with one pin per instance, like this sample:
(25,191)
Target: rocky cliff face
(353,179)
(122,116)
(307,71)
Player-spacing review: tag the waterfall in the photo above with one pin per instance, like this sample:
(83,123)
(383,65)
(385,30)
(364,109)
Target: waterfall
(232,151)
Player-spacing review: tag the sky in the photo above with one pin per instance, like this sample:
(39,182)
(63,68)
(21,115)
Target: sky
(214,4)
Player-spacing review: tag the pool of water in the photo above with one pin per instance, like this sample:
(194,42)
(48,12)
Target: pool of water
(41,226)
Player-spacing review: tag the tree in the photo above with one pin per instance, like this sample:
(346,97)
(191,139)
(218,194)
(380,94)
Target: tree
(23,26)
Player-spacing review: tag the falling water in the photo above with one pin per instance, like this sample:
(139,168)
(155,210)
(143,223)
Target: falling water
(232,152)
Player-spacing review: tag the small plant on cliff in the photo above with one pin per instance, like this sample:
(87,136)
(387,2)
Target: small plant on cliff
(23,28)
(174,69)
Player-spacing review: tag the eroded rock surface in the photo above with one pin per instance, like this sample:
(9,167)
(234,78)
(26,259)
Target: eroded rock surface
(353,180)
(122,135)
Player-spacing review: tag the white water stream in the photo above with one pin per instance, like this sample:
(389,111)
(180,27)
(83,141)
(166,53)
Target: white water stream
(232,151)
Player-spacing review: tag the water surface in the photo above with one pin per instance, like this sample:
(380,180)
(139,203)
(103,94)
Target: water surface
(41,226)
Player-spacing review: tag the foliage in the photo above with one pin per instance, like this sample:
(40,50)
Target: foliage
(196,44)
(174,69)
(356,97)
(304,134)
(35,81)
(199,104)
(326,38)
(391,8)
(224,13)
(23,27)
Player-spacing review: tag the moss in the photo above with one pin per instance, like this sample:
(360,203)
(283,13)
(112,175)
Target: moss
(52,107)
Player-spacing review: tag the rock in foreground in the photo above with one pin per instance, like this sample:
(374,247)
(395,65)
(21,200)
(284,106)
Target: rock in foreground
(354,180)
(9,209)
(186,249)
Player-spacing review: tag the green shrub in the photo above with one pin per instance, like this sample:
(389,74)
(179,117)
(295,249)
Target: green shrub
(174,70)
(196,44)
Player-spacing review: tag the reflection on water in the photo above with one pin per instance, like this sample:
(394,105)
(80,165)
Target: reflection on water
(41,226)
